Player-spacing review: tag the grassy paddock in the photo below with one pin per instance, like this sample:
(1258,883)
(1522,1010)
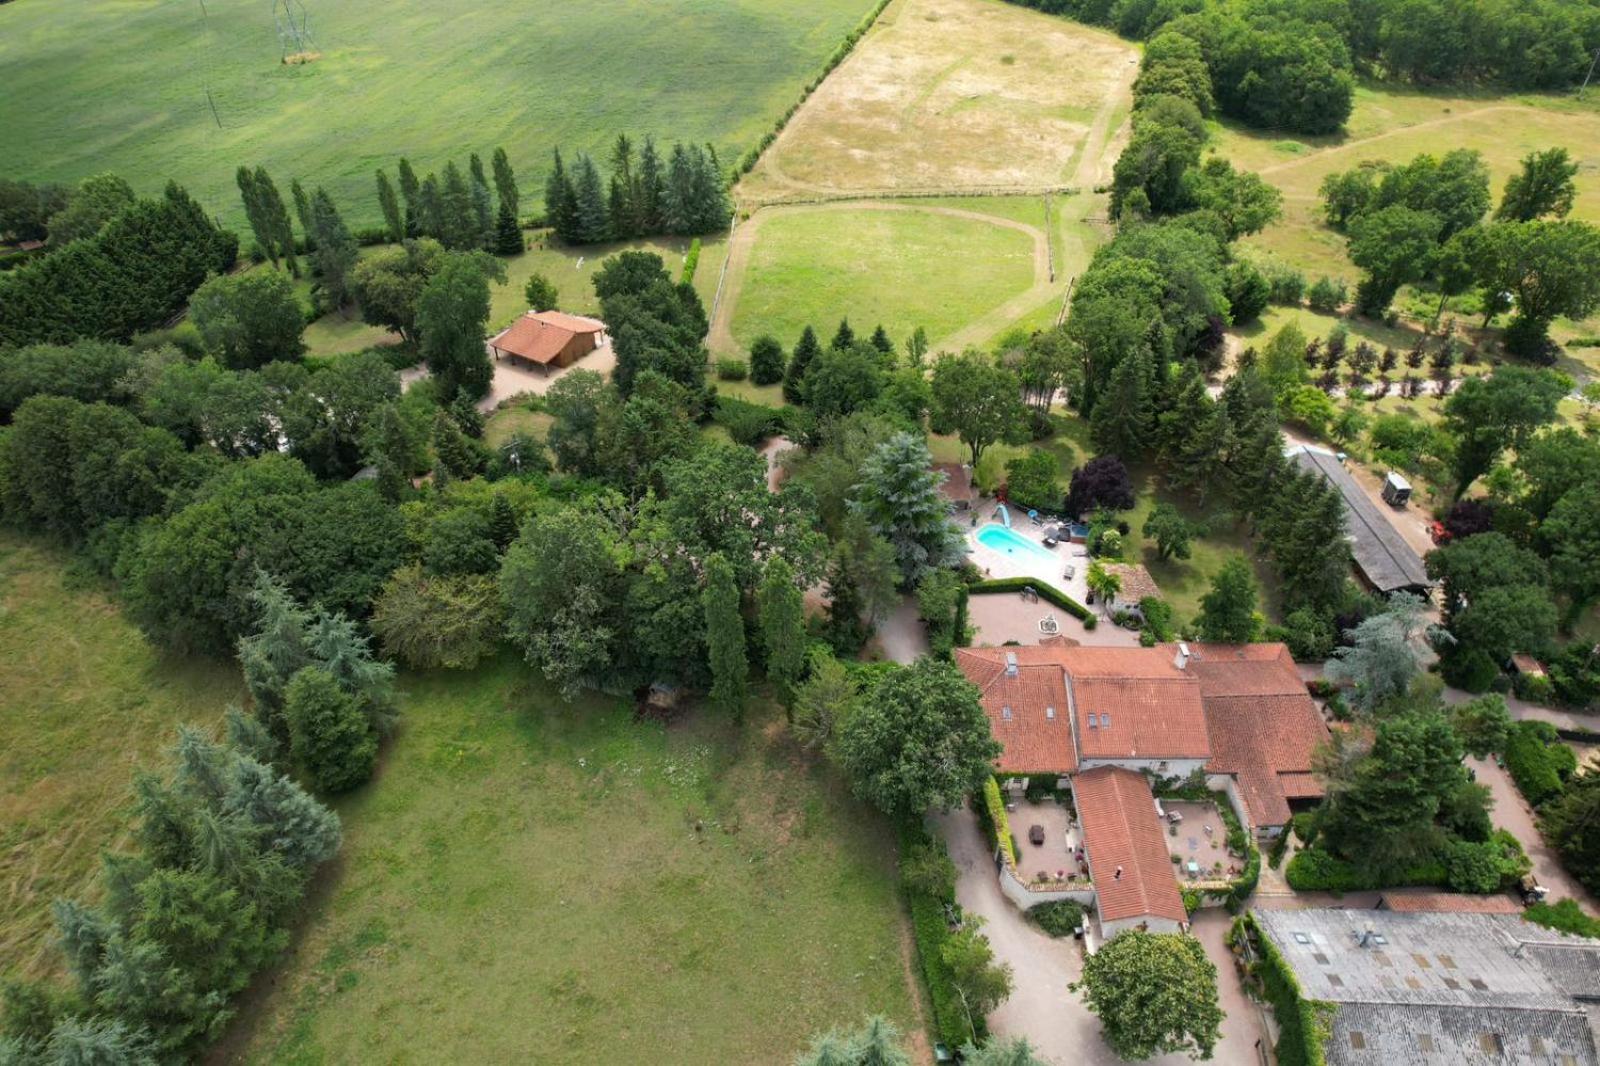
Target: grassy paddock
(529,880)
(86,702)
(95,85)
(901,268)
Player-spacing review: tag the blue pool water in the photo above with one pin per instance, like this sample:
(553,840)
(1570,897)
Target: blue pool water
(1010,542)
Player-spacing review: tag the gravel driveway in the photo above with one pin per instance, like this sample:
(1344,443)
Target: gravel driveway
(1055,1022)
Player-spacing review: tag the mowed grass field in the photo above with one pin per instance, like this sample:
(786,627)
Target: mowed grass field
(966,270)
(897,265)
(530,881)
(956,94)
(84,703)
(96,85)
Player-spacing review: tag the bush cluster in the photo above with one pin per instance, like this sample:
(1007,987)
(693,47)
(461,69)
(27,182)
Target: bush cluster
(1538,762)
(1046,592)
(930,926)
(1060,917)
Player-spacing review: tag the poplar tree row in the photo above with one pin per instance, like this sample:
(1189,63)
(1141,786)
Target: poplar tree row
(328,241)
(685,194)
(458,210)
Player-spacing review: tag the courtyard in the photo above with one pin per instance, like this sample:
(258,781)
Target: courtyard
(1198,842)
(1057,857)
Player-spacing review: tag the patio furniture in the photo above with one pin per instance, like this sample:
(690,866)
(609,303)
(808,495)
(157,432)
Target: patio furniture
(1049,626)
(1036,835)
(1193,868)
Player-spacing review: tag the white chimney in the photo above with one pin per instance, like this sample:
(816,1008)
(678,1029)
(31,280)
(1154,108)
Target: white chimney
(1181,660)
(1011,664)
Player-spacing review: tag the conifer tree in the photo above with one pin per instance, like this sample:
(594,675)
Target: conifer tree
(505,185)
(783,624)
(805,350)
(277,215)
(725,636)
(389,203)
(900,501)
(336,250)
(430,209)
(625,189)
(484,215)
(410,190)
(881,342)
(1228,611)
(844,338)
(766,360)
(1123,420)
(458,214)
(507,234)
(302,211)
(255,214)
(475,168)
(652,180)
(561,202)
(453,451)
(592,224)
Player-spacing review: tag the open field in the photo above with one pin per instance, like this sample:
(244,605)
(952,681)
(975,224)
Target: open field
(964,269)
(1395,125)
(956,94)
(96,85)
(86,703)
(534,881)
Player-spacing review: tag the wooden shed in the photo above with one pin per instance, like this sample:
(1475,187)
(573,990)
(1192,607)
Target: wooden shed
(548,339)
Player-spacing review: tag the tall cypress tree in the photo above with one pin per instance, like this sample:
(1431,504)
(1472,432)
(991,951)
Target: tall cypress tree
(430,209)
(483,214)
(1124,419)
(677,202)
(458,217)
(475,168)
(302,210)
(390,205)
(783,624)
(805,350)
(410,188)
(505,184)
(593,226)
(730,667)
(277,214)
(648,202)
(336,249)
(255,213)
(561,202)
(507,234)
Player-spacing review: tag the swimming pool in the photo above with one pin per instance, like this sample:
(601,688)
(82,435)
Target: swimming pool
(1009,542)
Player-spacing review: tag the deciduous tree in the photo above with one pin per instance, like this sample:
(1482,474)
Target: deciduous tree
(1155,994)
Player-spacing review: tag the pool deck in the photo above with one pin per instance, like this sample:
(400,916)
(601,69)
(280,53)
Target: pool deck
(1049,570)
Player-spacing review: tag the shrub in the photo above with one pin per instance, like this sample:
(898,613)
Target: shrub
(1538,762)
(1060,917)
(1279,847)
(1327,295)
(1303,1025)
(766,360)
(331,732)
(1472,867)
(1031,481)
(1565,916)
(1285,286)
(929,927)
(1304,825)
(1316,870)
(1470,669)
(748,423)
(691,262)
(732,369)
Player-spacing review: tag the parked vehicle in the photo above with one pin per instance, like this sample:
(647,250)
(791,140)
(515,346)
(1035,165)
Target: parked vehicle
(1532,891)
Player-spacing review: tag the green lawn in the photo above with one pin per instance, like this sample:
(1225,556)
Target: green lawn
(96,85)
(531,881)
(86,702)
(901,268)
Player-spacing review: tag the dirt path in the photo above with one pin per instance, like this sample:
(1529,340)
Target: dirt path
(1102,145)
(742,242)
(1402,131)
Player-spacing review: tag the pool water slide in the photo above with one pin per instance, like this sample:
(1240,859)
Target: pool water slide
(1005,515)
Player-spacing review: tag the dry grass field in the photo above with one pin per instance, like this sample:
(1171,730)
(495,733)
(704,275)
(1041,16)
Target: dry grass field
(956,95)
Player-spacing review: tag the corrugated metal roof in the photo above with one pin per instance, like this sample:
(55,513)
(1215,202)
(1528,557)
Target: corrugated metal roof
(1381,553)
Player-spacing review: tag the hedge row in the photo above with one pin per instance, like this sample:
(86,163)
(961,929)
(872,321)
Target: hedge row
(1303,1025)
(1315,870)
(929,927)
(1045,591)
(999,820)
(748,161)
(1538,762)
(691,262)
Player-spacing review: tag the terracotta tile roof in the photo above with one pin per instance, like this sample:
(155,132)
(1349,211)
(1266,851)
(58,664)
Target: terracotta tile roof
(1243,669)
(1449,902)
(1028,712)
(1139,717)
(570,323)
(540,336)
(1121,832)
(1266,742)
(1136,582)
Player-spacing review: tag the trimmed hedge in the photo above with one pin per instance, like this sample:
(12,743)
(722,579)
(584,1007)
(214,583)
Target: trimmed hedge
(1045,591)
(1304,1025)
(1565,916)
(749,423)
(1059,918)
(1538,762)
(999,821)
(931,932)
(691,262)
